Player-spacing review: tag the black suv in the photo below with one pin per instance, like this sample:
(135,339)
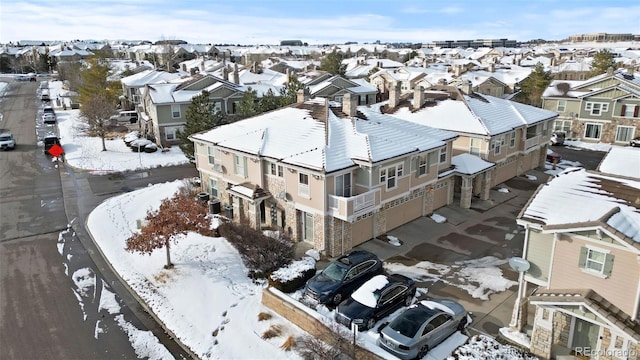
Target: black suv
(49,141)
(341,278)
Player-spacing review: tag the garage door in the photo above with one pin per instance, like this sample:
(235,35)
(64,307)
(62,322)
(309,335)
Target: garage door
(506,171)
(441,194)
(362,231)
(403,213)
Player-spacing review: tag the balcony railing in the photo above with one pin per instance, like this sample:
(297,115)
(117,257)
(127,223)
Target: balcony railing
(534,141)
(346,208)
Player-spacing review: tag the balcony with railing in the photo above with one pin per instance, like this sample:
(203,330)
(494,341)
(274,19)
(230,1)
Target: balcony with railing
(532,142)
(347,208)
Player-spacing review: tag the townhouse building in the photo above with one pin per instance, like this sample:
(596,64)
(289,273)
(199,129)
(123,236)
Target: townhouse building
(505,138)
(334,175)
(604,108)
(164,105)
(582,242)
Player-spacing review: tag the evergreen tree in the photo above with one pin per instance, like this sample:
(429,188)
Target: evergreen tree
(602,61)
(534,85)
(289,93)
(248,105)
(269,101)
(200,116)
(94,80)
(332,63)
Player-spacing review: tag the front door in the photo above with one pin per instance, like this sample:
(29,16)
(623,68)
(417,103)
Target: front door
(585,337)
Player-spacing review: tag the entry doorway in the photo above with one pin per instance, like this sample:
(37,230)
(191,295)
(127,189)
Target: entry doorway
(585,336)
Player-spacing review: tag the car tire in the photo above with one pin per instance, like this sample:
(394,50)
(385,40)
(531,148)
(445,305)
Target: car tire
(337,298)
(423,352)
(462,324)
(408,300)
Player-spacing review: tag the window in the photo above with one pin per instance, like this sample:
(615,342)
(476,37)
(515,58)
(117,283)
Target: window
(562,125)
(217,107)
(596,261)
(423,165)
(512,139)
(303,185)
(562,105)
(171,133)
(239,165)
(212,157)
(624,133)
(175,111)
(390,175)
(343,185)
(276,170)
(443,155)
(630,110)
(474,147)
(213,187)
(596,109)
(592,131)
(497,144)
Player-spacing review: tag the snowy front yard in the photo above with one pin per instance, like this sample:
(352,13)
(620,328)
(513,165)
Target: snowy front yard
(208,300)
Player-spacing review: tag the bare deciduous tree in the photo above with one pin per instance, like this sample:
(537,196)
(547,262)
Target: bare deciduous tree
(176,215)
(97,110)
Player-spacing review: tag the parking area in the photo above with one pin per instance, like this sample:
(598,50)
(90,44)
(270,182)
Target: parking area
(487,230)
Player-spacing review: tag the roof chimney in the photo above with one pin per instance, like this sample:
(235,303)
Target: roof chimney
(184,67)
(302,95)
(466,87)
(492,67)
(350,104)
(418,97)
(610,71)
(236,77)
(394,95)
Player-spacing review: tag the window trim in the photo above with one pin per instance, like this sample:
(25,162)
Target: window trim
(422,167)
(240,163)
(512,139)
(211,154)
(599,107)
(563,107)
(213,189)
(631,136)
(174,112)
(471,147)
(443,154)
(398,170)
(586,127)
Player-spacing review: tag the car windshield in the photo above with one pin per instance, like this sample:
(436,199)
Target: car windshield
(405,326)
(5,138)
(334,271)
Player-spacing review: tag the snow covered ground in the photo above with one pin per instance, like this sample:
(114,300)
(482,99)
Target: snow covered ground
(207,300)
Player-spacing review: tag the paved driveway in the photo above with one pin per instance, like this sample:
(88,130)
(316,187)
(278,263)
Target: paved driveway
(487,229)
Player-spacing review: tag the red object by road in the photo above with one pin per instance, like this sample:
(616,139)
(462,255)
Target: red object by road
(56,150)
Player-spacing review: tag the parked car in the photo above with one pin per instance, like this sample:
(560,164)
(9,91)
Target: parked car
(421,327)
(378,297)
(635,142)
(49,141)
(49,118)
(553,157)
(7,142)
(557,138)
(138,145)
(341,277)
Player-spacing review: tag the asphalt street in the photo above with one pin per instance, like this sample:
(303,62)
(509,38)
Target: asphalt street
(51,275)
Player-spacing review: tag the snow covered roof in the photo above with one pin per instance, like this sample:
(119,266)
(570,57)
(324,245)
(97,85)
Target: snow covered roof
(309,136)
(622,161)
(478,114)
(149,77)
(468,164)
(577,196)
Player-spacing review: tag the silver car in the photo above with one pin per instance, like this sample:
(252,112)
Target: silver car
(421,327)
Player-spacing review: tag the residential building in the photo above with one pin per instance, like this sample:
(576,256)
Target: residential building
(333,175)
(505,137)
(582,243)
(604,108)
(335,87)
(164,105)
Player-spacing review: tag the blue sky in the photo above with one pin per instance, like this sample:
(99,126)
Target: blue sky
(315,22)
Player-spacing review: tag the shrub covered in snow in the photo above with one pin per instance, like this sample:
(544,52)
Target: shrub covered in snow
(293,276)
(485,347)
